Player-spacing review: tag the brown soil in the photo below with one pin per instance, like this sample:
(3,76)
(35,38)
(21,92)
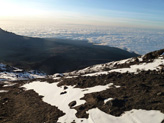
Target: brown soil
(19,106)
(141,91)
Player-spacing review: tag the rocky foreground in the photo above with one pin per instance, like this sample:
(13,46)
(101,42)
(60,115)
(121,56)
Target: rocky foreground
(127,91)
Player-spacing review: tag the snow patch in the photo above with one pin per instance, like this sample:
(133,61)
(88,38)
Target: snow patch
(155,65)
(13,76)
(133,116)
(99,68)
(144,66)
(3,91)
(9,84)
(52,95)
(106,100)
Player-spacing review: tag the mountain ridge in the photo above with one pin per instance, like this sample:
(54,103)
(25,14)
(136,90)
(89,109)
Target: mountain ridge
(54,55)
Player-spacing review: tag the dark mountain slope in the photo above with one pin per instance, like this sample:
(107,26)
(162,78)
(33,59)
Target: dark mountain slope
(54,55)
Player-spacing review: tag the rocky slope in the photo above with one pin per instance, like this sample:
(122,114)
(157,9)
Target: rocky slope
(127,91)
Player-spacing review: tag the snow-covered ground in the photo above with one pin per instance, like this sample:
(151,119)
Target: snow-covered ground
(52,95)
(18,76)
(136,68)
(98,68)
(133,116)
(155,65)
(8,84)
(13,73)
(61,96)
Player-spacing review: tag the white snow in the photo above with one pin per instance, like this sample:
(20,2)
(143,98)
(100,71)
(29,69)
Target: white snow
(9,84)
(117,86)
(70,77)
(97,73)
(123,61)
(57,75)
(8,76)
(3,91)
(141,58)
(51,93)
(17,70)
(106,100)
(13,76)
(133,116)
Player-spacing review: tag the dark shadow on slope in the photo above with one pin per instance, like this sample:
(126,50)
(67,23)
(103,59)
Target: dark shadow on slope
(54,55)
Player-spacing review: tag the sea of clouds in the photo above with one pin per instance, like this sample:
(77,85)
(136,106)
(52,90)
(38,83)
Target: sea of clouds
(137,40)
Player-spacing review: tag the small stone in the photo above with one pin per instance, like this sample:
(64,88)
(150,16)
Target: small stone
(63,92)
(65,87)
(118,103)
(73,103)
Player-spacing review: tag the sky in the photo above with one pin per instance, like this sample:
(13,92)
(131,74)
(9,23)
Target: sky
(139,13)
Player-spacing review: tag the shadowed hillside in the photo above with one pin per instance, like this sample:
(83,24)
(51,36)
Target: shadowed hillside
(54,55)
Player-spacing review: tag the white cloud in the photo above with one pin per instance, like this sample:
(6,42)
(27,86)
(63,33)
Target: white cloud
(133,39)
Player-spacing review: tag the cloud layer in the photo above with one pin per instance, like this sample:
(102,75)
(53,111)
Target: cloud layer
(132,39)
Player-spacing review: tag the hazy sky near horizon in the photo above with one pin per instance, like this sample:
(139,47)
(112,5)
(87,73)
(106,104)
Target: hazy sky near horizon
(138,13)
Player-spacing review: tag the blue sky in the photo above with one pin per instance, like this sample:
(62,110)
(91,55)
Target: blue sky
(148,13)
